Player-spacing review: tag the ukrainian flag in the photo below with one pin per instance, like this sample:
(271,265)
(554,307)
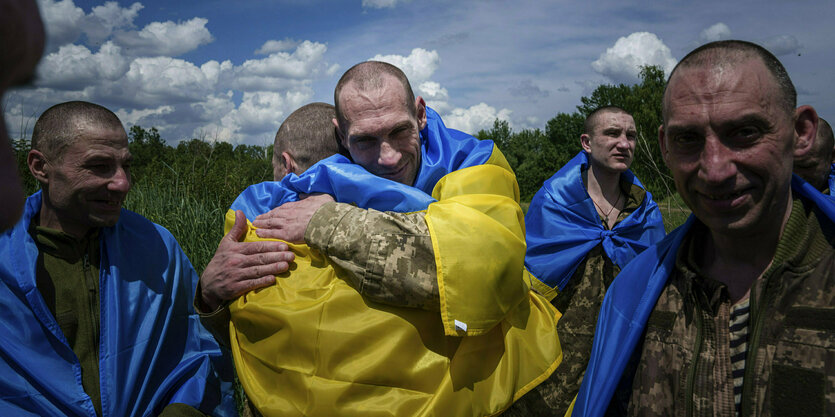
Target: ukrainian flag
(311,345)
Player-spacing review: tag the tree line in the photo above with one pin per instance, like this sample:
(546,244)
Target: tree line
(188,187)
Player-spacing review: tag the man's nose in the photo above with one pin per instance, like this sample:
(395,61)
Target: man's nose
(120,182)
(716,162)
(389,156)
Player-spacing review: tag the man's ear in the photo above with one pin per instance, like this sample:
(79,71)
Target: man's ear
(805,130)
(585,142)
(38,166)
(662,144)
(289,163)
(420,107)
(341,136)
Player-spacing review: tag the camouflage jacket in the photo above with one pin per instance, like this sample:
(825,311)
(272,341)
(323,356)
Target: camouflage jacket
(579,302)
(684,367)
(387,256)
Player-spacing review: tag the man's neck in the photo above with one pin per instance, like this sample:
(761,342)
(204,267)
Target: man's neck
(603,186)
(738,261)
(49,218)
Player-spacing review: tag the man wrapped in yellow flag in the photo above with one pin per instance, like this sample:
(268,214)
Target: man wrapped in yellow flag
(422,308)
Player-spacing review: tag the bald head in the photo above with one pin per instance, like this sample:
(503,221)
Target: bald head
(724,56)
(813,166)
(304,138)
(60,125)
(369,76)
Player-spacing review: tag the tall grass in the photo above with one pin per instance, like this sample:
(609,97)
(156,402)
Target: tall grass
(195,221)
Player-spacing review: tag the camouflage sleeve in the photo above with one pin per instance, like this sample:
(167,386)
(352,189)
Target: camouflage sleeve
(387,256)
(216,322)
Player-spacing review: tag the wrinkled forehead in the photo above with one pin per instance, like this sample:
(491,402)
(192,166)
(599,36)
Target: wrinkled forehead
(613,119)
(360,101)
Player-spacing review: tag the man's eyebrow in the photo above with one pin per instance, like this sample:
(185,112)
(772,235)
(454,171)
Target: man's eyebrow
(401,126)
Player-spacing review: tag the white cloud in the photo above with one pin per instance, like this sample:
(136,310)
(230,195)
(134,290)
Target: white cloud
(137,116)
(103,20)
(165,38)
(783,45)
(431,90)
(418,66)
(475,118)
(62,20)
(75,65)
(381,4)
(65,22)
(164,79)
(622,62)
(277,46)
(715,33)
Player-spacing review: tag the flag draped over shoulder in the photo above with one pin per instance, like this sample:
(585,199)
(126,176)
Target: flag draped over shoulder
(312,345)
(831,179)
(629,302)
(563,226)
(152,350)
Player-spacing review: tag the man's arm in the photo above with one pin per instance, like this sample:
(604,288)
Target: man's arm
(387,256)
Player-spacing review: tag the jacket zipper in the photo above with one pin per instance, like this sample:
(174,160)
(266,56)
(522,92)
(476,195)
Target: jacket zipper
(757,308)
(691,374)
(91,299)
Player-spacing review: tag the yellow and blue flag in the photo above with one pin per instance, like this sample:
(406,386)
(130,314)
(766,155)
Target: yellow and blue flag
(312,345)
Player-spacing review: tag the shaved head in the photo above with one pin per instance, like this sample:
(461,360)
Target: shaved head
(370,75)
(59,126)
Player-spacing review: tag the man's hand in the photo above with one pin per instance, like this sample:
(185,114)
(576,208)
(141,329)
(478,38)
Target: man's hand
(289,221)
(238,267)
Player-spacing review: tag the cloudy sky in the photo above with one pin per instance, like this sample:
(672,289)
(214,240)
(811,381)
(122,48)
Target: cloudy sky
(233,70)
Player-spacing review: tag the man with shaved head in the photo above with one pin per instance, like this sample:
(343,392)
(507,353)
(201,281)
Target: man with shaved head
(583,226)
(815,165)
(306,137)
(97,299)
(408,280)
(731,313)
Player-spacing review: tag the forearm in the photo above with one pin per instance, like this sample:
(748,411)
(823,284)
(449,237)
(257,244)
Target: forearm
(388,257)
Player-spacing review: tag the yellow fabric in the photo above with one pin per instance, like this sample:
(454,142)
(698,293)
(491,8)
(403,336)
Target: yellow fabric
(477,230)
(311,345)
(571,407)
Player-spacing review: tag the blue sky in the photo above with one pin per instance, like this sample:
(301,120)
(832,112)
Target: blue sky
(232,71)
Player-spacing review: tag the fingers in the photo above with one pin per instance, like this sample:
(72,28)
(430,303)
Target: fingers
(272,234)
(236,233)
(249,248)
(265,259)
(268,223)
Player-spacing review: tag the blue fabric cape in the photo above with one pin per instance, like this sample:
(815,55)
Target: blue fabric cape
(562,226)
(153,350)
(443,150)
(629,302)
(831,179)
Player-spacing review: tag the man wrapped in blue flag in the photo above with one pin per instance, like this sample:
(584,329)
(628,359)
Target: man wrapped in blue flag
(816,165)
(408,295)
(731,313)
(97,299)
(585,224)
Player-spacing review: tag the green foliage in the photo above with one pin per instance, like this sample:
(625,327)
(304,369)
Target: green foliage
(535,155)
